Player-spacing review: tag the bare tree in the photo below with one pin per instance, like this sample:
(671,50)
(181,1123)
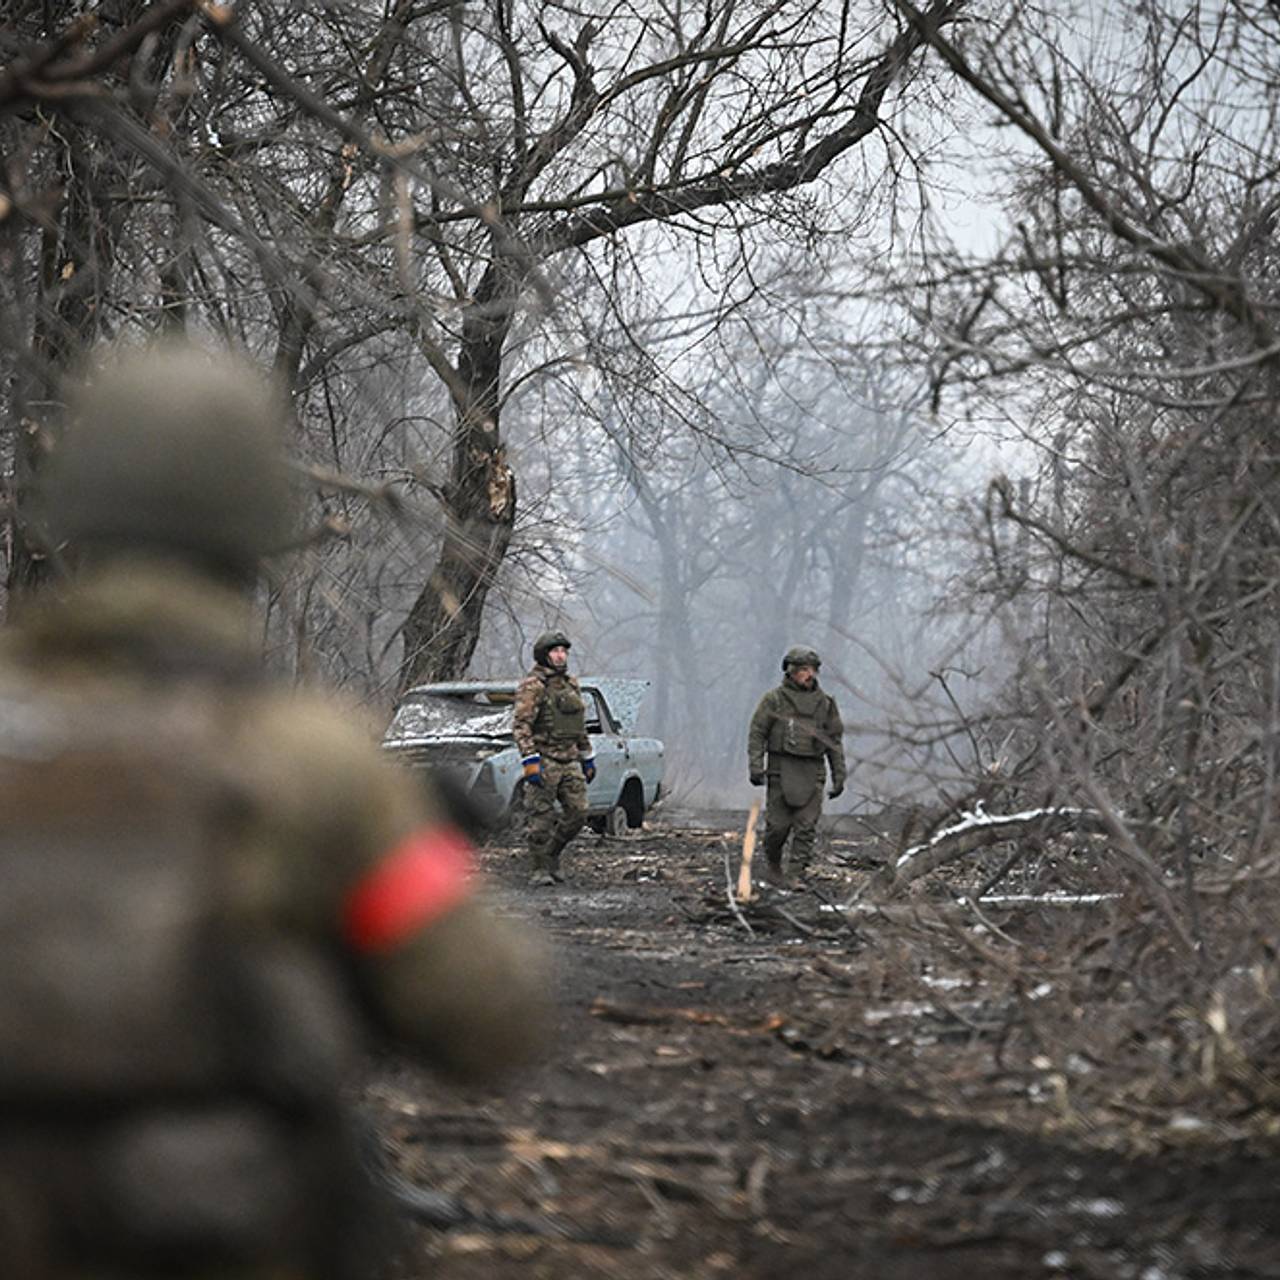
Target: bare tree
(755,497)
(1126,323)
(330,182)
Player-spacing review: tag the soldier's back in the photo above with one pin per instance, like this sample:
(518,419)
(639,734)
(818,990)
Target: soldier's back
(172,1042)
(177,998)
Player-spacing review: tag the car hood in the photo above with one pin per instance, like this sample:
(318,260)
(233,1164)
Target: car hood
(436,720)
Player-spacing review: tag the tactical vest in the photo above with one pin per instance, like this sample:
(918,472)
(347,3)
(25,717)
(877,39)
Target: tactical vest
(796,732)
(562,717)
(168,1079)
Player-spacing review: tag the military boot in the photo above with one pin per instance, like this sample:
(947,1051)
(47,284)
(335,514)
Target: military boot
(554,850)
(773,847)
(541,875)
(801,863)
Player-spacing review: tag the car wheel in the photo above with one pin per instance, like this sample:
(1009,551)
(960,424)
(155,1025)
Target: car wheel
(615,822)
(631,803)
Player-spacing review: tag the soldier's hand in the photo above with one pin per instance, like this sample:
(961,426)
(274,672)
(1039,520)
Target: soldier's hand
(757,778)
(589,768)
(533,770)
(837,789)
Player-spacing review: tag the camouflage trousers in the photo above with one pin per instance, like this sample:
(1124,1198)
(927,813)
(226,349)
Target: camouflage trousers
(548,831)
(796,780)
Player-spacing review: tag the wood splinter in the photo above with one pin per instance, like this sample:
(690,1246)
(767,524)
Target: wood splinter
(748,848)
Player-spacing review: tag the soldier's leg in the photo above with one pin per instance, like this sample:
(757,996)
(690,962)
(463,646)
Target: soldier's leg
(540,810)
(571,791)
(804,832)
(777,826)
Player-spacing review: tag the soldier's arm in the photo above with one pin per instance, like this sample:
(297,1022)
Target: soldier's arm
(835,745)
(584,742)
(449,978)
(363,861)
(758,733)
(528,695)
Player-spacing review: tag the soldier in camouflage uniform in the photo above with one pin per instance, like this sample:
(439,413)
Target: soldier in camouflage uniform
(551,733)
(215,890)
(798,724)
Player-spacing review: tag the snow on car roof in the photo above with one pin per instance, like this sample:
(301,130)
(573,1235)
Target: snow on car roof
(624,694)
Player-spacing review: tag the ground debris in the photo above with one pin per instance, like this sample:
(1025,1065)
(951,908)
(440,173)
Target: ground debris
(925,1089)
(634,1015)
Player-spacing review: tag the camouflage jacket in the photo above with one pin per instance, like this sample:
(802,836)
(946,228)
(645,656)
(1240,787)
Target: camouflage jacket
(536,699)
(792,721)
(328,812)
(331,863)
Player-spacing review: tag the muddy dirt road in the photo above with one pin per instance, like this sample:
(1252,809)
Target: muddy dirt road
(810,1099)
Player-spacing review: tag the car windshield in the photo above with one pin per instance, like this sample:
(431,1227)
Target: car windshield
(474,715)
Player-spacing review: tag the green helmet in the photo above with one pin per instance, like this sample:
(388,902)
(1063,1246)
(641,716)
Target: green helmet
(172,449)
(799,656)
(547,641)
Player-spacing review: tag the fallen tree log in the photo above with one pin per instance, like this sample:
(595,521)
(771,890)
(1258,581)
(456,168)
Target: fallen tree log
(979,830)
(963,908)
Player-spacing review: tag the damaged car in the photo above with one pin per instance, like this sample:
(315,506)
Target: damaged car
(464,731)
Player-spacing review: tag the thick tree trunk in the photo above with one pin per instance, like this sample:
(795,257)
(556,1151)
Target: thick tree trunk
(847,558)
(442,628)
(679,709)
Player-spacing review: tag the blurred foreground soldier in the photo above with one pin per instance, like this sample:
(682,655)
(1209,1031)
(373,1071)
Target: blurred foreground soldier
(551,733)
(214,889)
(799,726)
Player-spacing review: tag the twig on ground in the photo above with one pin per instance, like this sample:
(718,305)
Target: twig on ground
(443,1212)
(755,1182)
(796,924)
(986,923)
(1008,865)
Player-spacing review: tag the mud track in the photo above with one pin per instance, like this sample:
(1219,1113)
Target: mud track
(725,1103)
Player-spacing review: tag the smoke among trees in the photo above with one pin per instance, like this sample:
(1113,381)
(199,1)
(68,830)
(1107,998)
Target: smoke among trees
(528,273)
(655,322)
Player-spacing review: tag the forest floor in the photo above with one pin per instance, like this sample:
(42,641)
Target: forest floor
(797,1091)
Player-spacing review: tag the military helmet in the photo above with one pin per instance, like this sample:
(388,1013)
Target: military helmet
(174,449)
(547,641)
(799,656)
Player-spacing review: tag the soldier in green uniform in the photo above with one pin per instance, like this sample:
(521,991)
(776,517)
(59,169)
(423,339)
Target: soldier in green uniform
(551,733)
(216,892)
(798,725)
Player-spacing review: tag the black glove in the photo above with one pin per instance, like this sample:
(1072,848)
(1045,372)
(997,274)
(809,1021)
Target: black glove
(837,789)
(757,778)
(589,768)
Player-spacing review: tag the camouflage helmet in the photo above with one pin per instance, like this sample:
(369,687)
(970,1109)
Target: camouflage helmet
(547,641)
(172,449)
(800,656)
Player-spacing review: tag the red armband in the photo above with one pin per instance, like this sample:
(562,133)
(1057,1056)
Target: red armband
(418,881)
